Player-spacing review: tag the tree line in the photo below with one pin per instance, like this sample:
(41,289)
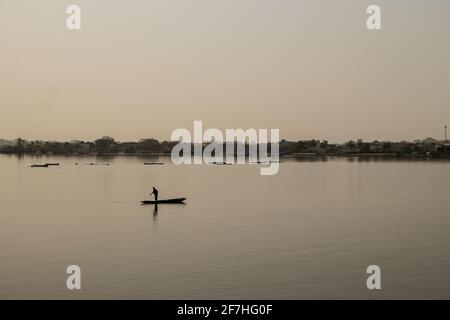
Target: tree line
(108,145)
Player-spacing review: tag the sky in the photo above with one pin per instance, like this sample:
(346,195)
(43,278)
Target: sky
(143,68)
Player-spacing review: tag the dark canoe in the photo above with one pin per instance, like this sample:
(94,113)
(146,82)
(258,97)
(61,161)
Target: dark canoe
(177,200)
(153,163)
(39,166)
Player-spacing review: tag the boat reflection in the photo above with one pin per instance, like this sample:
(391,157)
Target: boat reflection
(155,212)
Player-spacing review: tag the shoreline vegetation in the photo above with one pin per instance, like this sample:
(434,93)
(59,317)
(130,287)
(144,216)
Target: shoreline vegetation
(428,147)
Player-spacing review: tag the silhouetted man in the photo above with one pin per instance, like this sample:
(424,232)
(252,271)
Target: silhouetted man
(155,193)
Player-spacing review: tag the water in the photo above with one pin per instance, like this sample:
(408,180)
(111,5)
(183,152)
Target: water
(308,232)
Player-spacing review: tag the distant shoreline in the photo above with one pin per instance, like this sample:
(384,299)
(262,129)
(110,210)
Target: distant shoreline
(107,146)
(282,156)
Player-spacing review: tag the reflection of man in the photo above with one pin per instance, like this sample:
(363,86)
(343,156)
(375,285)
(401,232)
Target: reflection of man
(155,193)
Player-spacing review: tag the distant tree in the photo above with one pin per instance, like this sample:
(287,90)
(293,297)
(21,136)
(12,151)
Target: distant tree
(20,145)
(167,147)
(351,144)
(105,144)
(129,148)
(149,145)
(360,144)
(299,147)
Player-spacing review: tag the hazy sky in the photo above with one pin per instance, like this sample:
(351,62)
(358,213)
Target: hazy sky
(144,68)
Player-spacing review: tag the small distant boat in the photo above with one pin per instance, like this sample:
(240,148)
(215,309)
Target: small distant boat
(44,165)
(153,163)
(221,163)
(167,201)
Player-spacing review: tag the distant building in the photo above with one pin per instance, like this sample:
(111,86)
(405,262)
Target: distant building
(376,148)
(4,142)
(428,141)
(443,149)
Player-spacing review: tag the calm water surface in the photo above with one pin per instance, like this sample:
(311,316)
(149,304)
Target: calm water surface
(308,232)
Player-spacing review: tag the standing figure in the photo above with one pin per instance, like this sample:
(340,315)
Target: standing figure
(155,193)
